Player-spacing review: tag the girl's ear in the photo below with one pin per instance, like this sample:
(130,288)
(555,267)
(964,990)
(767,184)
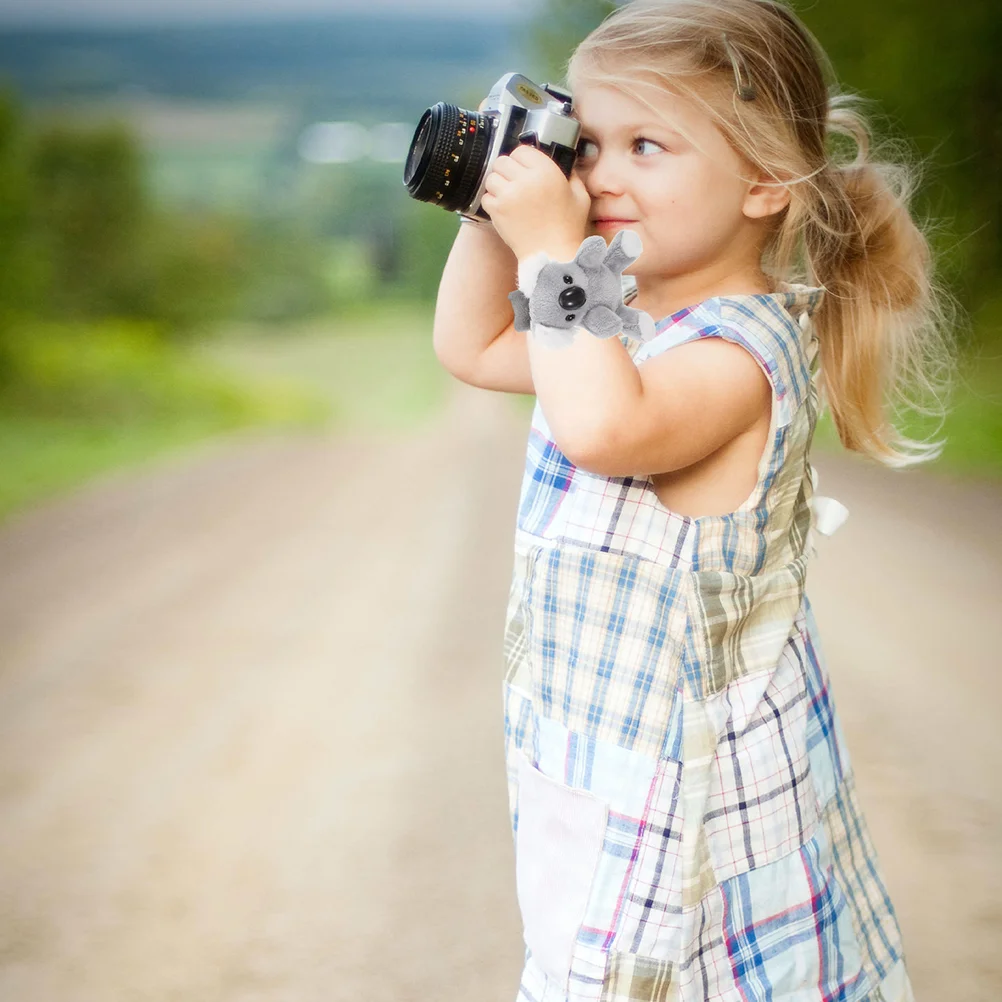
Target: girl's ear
(765,199)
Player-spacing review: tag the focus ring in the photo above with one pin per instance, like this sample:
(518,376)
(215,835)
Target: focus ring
(448,155)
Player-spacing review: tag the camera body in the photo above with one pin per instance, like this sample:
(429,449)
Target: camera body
(453,149)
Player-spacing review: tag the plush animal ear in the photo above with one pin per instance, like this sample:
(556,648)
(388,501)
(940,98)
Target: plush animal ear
(520,304)
(601,321)
(629,242)
(529,269)
(637,324)
(591,253)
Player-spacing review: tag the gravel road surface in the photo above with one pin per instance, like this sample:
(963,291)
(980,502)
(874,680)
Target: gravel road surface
(251,731)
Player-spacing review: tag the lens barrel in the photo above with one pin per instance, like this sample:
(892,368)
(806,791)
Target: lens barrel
(447,156)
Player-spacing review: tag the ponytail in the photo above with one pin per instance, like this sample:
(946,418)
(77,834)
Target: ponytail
(882,323)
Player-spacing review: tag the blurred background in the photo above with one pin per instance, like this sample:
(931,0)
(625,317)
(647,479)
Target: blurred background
(254,541)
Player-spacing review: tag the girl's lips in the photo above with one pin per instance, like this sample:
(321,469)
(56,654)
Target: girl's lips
(612,223)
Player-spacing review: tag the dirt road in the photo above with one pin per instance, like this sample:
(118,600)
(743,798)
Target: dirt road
(250,721)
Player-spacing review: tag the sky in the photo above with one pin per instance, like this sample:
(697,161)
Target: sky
(125,12)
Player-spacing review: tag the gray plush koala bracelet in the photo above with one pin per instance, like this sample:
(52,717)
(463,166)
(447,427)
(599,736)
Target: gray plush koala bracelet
(554,298)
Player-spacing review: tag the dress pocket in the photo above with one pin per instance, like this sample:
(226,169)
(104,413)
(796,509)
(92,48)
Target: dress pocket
(558,846)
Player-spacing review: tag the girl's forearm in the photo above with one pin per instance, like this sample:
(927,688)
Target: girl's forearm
(473,308)
(583,388)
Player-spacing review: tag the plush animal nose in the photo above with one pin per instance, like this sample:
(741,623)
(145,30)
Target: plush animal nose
(572,298)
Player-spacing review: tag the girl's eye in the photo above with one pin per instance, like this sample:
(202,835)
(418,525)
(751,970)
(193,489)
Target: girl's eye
(650,142)
(585,153)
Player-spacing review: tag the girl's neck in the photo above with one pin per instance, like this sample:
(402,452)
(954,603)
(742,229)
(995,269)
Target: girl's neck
(662,297)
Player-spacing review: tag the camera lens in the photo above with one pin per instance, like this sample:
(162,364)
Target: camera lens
(447,156)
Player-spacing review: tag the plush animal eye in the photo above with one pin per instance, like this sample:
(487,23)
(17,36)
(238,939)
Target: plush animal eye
(569,317)
(568,280)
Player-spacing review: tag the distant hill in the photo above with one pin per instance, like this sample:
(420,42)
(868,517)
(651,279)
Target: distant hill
(377,68)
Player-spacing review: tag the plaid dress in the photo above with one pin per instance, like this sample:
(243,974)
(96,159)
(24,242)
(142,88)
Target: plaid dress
(684,809)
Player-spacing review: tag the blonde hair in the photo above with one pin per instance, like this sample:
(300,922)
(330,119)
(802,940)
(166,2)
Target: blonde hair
(884,323)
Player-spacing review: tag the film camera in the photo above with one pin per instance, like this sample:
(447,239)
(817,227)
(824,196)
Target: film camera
(452,150)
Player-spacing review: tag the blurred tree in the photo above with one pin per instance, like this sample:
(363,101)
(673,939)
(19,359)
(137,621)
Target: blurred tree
(283,266)
(555,31)
(932,71)
(189,271)
(385,240)
(93,212)
(22,271)
(427,235)
(110,251)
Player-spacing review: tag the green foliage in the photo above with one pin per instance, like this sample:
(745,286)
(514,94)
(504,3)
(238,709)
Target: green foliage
(932,72)
(376,362)
(81,237)
(126,371)
(427,236)
(86,398)
(555,31)
(20,265)
(109,251)
(283,272)
(90,207)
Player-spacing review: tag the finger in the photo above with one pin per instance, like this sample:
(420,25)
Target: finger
(505,167)
(494,183)
(529,151)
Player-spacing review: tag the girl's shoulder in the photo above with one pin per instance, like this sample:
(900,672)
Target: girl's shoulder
(775,327)
(790,302)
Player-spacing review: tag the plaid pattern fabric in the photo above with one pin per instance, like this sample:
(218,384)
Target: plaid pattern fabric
(670,667)
(761,804)
(771,913)
(630,978)
(854,861)
(602,631)
(740,623)
(563,504)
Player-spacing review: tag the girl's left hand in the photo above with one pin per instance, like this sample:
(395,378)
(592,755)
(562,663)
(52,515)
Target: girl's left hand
(532,205)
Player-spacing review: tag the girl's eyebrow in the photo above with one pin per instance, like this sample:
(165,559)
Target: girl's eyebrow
(642,127)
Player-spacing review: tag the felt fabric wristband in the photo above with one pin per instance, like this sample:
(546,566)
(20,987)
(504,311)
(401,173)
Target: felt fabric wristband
(555,298)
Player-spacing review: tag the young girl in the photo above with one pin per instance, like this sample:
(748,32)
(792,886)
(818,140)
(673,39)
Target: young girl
(684,808)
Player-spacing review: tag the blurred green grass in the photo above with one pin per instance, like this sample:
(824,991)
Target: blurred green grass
(85,400)
(376,365)
(79,400)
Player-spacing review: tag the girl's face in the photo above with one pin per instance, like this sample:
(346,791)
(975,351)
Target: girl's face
(689,206)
